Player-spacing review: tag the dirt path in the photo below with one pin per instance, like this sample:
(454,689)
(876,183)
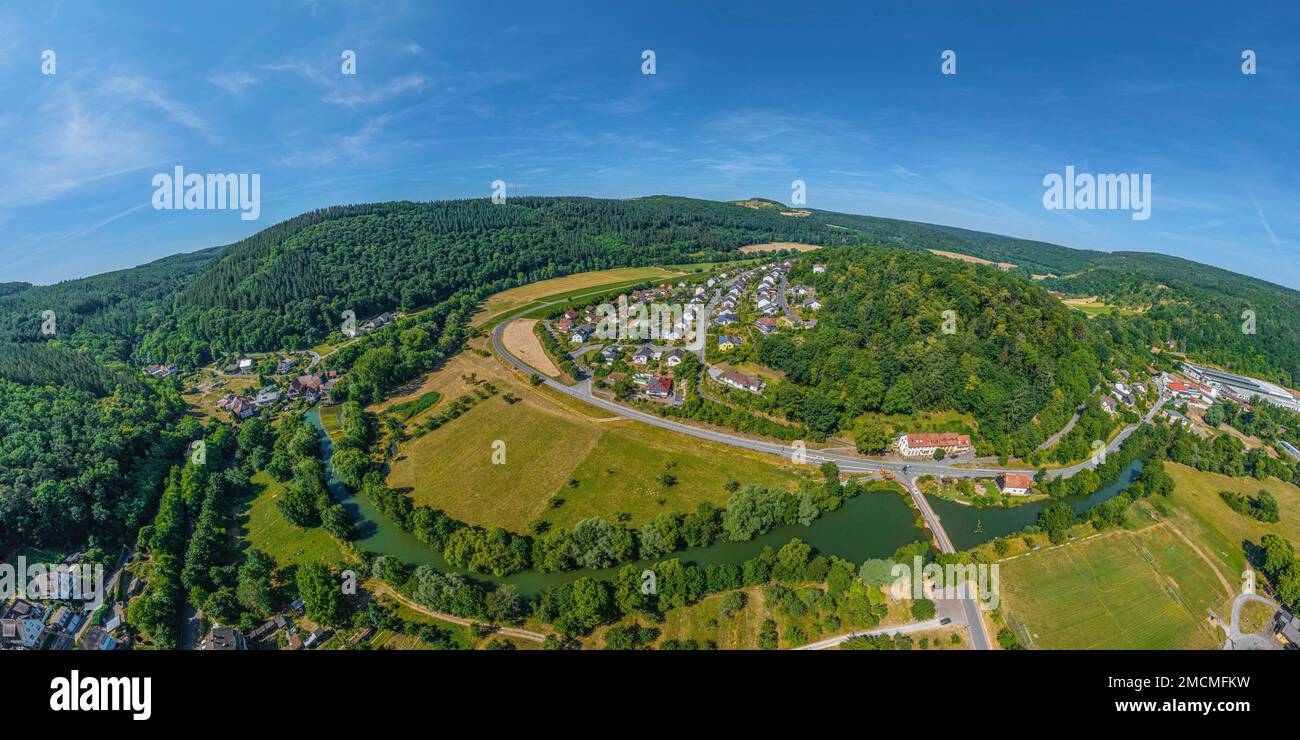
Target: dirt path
(515,632)
(1227,587)
(524,344)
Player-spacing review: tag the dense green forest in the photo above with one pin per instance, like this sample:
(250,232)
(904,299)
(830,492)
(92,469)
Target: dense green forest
(1007,353)
(1200,308)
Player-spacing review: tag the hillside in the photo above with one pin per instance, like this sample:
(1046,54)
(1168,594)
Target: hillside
(881,345)
(287,285)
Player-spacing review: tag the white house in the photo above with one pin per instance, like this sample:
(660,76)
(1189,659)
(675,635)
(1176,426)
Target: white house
(918,445)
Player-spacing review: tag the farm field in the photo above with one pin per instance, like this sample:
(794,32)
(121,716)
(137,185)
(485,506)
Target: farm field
(265,528)
(520,340)
(1197,510)
(969,258)
(778,246)
(1143,590)
(616,465)
(567,286)
(1093,306)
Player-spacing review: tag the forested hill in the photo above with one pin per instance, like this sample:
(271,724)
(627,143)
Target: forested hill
(1009,354)
(288,285)
(1200,308)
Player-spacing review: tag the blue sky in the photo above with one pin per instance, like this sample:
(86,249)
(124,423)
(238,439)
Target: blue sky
(747,97)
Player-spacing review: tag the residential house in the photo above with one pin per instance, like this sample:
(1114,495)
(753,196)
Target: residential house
(674,357)
(245,365)
(918,445)
(727,318)
(741,381)
(812,304)
(643,355)
(269,394)
(766,325)
(726,343)
(659,388)
(310,387)
(582,334)
(819,269)
(224,638)
(241,408)
(564,325)
(97,638)
(1108,404)
(160,371)
(1015,484)
(610,353)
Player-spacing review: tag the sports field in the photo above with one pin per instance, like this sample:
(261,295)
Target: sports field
(1142,590)
(1196,508)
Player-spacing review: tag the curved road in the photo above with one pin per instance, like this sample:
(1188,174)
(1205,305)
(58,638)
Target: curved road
(582,391)
(906,472)
(1238,640)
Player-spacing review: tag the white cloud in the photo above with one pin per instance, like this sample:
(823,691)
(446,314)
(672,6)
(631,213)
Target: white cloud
(233,82)
(142,89)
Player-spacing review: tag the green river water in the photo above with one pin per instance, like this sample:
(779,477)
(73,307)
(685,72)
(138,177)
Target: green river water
(871,525)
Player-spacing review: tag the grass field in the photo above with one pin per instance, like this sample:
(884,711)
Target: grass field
(265,528)
(565,287)
(1094,307)
(1143,590)
(616,464)
(1197,510)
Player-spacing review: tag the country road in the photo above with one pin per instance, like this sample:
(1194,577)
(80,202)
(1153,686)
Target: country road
(901,629)
(847,463)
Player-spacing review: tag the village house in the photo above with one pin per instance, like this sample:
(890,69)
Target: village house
(161,371)
(582,334)
(674,357)
(564,325)
(918,445)
(727,343)
(224,638)
(819,269)
(643,355)
(610,353)
(378,322)
(812,304)
(766,325)
(1015,484)
(727,318)
(269,394)
(1108,404)
(242,408)
(741,381)
(659,388)
(310,387)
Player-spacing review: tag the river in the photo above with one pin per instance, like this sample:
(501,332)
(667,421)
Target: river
(968,526)
(870,525)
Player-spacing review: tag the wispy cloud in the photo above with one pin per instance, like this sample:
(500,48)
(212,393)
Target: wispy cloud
(233,82)
(149,91)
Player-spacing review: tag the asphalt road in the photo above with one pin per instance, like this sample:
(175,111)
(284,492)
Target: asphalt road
(906,471)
